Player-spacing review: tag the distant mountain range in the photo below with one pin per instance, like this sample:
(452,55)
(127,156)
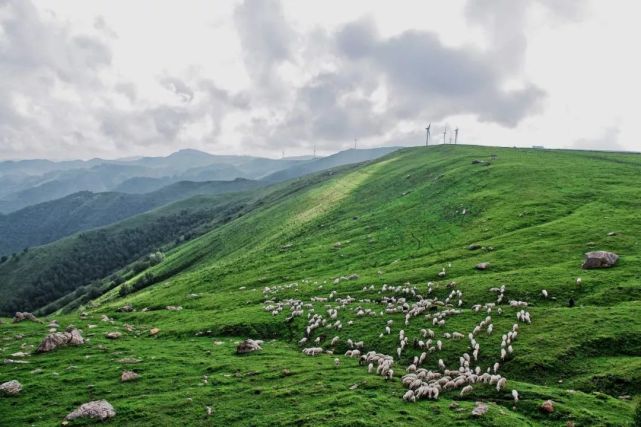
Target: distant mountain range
(106,193)
(28,182)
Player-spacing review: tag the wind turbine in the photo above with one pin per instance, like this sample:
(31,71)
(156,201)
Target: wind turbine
(427,134)
(444,134)
(455,136)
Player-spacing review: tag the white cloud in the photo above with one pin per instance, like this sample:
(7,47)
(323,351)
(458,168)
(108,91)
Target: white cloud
(103,78)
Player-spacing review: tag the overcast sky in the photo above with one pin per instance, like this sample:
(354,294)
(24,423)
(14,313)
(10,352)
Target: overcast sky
(82,79)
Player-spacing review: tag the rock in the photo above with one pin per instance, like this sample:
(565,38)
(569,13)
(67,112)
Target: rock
(286,372)
(11,361)
(248,346)
(53,324)
(442,274)
(128,327)
(98,409)
(482,266)
(20,354)
(154,331)
(352,277)
(599,259)
(128,376)
(454,405)
(105,318)
(21,316)
(612,233)
(174,307)
(60,339)
(10,388)
(129,360)
(479,410)
(127,308)
(113,335)
(474,247)
(547,407)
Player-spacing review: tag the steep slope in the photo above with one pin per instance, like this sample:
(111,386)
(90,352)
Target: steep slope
(396,223)
(50,221)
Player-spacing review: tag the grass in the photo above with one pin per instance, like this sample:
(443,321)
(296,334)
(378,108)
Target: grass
(398,220)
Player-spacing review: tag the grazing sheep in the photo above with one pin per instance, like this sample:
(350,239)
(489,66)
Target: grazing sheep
(515,395)
(337,362)
(544,293)
(466,390)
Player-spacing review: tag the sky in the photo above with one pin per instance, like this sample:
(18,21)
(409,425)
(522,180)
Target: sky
(83,79)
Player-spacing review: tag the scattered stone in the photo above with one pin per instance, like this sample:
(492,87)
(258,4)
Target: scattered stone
(60,339)
(174,307)
(20,354)
(129,360)
(479,410)
(209,410)
(352,277)
(11,361)
(454,405)
(127,308)
(482,266)
(128,327)
(474,247)
(10,388)
(37,371)
(547,407)
(113,335)
(248,346)
(599,259)
(442,274)
(53,324)
(105,318)
(22,316)
(128,376)
(154,331)
(92,326)
(353,386)
(286,372)
(625,397)
(338,245)
(98,409)
(612,233)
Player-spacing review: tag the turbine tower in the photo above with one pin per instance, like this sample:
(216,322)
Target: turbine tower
(444,135)
(455,136)
(427,134)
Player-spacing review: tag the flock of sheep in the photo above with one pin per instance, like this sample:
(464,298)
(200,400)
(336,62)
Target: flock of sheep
(422,382)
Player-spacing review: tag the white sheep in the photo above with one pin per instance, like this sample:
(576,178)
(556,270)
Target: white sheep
(466,390)
(515,395)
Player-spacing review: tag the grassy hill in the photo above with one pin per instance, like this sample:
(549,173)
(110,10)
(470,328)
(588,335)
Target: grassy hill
(396,221)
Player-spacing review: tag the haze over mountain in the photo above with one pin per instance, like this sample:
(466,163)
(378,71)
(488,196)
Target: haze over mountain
(25,183)
(48,221)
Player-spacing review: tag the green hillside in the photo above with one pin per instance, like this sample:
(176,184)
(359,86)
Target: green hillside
(395,223)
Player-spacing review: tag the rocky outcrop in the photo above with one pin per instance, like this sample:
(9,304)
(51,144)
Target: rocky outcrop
(10,388)
(128,376)
(248,346)
(98,409)
(60,339)
(599,259)
(22,316)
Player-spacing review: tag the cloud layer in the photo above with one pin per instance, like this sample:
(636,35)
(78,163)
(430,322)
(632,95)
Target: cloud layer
(62,95)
